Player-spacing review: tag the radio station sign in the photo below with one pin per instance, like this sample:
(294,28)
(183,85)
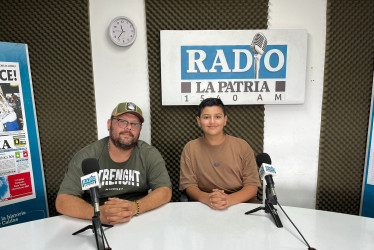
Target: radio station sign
(238,66)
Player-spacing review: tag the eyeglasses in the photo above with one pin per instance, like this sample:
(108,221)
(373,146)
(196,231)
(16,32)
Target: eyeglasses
(124,124)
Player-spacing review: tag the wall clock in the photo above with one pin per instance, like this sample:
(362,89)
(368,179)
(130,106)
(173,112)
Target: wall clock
(122,31)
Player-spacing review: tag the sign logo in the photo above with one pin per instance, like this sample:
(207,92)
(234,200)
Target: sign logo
(89,181)
(266,169)
(232,62)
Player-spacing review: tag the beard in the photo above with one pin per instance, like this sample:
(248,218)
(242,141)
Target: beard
(121,144)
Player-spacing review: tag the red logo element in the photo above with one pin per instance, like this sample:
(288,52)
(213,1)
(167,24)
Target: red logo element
(20,185)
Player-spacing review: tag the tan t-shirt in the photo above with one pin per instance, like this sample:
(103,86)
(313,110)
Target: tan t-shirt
(229,166)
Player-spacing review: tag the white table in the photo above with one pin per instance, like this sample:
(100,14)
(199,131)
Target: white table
(192,226)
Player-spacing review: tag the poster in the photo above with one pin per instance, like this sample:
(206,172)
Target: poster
(22,188)
(241,67)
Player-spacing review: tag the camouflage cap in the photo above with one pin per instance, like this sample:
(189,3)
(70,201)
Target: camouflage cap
(128,107)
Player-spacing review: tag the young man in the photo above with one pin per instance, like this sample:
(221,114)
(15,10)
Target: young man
(218,170)
(129,168)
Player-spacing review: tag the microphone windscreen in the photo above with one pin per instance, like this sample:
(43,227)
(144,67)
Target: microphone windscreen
(263,158)
(90,165)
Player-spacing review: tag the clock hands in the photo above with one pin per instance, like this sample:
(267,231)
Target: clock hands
(121,31)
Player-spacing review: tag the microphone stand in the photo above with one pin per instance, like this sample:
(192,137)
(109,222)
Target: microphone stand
(270,201)
(97,228)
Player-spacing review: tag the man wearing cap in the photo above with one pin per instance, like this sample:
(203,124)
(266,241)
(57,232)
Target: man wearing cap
(129,168)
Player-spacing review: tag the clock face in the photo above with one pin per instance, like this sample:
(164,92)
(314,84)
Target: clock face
(122,31)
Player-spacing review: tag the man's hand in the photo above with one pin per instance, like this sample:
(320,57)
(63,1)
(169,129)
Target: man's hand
(116,211)
(218,199)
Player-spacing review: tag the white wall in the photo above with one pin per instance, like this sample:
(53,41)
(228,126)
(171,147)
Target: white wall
(120,73)
(291,131)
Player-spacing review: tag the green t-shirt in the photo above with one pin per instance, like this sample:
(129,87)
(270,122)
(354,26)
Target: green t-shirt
(131,180)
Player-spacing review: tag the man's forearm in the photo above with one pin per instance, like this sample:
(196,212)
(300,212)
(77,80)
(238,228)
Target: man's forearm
(154,199)
(74,206)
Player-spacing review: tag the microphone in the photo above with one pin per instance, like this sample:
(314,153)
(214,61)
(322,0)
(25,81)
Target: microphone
(266,172)
(258,47)
(90,180)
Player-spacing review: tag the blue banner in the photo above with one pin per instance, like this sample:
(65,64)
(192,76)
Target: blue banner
(22,188)
(367,198)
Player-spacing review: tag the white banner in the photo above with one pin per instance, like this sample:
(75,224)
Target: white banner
(238,66)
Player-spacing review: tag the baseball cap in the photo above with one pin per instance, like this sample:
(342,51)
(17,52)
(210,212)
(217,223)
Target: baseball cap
(128,107)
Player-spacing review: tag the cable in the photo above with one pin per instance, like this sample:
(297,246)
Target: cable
(309,248)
